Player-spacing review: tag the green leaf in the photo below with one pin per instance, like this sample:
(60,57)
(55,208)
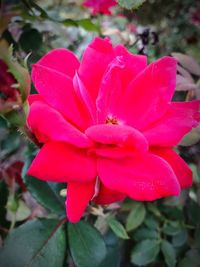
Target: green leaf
(145,252)
(114,247)
(151,222)
(130,4)
(145,233)
(152,207)
(136,216)
(36,243)
(180,239)
(191,259)
(33,5)
(46,193)
(118,228)
(86,245)
(168,253)
(88,25)
(171,228)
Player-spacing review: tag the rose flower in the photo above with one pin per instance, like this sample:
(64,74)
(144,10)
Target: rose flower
(100,6)
(108,126)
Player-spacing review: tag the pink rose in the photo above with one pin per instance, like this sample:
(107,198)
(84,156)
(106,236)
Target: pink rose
(100,6)
(108,126)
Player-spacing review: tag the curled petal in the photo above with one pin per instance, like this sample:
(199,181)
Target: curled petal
(58,161)
(84,96)
(117,135)
(78,196)
(143,177)
(134,64)
(181,169)
(49,125)
(179,119)
(107,196)
(60,60)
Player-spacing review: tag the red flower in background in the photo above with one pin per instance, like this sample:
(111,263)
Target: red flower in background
(100,6)
(108,126)
(196,16)
(8,95)
(12,174)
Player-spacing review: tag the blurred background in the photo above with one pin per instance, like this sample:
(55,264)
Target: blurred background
(157,234)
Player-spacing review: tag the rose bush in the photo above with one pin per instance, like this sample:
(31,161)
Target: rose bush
(108,127)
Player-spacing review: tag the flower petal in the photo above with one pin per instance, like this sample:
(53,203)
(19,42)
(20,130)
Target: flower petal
(117,135)
(78,196)
(84,96)
(60,60)
(107,196)
(134,64)
(147,96)
(49,125)
(181,169)
(57,90)
(114,152)
(34,97)
(95,60)
(119,73)
(143,177)
(180,118)
(58,161)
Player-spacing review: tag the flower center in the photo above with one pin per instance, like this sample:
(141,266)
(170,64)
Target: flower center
(111,120)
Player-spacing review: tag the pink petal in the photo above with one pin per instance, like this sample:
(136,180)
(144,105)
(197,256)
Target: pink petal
(107,196)
(78,196)
(117,135)
(34,97)
(180,118)
(95,60)
(61,60)
(114,152)
(57,90)
(120,72)
(58,161)
(84,96)
(49,125)
(147,96)
(181,169)
(143,177)
(134,64)
(110,89)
